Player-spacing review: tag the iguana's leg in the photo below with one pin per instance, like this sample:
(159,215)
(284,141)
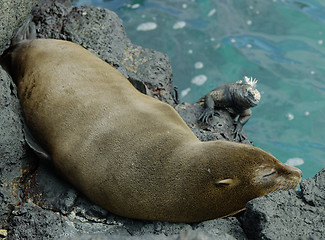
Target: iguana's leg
(242,120)
(208,109)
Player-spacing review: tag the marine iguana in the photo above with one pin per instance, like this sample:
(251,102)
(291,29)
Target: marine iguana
(237,98)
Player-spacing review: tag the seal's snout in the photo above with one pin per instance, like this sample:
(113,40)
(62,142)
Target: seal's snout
(293,176)
(277,176)
(292,170)
(299,172)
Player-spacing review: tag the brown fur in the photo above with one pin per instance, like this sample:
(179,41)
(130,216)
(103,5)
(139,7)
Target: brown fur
(128,152)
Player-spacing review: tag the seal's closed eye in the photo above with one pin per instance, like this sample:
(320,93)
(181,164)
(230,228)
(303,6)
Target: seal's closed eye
(270,174)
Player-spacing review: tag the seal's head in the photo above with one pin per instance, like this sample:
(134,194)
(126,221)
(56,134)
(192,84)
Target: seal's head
(274,176)
(247,173)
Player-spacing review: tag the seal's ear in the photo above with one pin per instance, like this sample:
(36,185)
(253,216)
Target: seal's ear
(225,182)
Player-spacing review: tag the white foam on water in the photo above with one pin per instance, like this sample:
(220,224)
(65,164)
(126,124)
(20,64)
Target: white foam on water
(135,5)
(290,116)
(147,26)
(212,12)
(295,162)
(218,45)
(199,80)
(179,25)
(198,65)
(185,92)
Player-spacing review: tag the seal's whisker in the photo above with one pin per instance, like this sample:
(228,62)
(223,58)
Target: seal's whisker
(286,186)
(275,190)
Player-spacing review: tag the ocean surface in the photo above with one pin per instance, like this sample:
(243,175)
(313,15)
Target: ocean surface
(281,43)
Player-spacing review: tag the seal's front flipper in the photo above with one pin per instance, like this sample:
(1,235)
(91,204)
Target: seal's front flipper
(25,32)
(32,143)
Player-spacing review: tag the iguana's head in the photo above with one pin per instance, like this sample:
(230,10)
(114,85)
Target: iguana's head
(249,95)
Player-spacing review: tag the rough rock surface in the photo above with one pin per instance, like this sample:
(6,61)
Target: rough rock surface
(37,204)
(13,13)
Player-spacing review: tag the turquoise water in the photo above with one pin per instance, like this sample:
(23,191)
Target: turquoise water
(281,43)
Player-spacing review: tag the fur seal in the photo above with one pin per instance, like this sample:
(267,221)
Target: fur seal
(126,151)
